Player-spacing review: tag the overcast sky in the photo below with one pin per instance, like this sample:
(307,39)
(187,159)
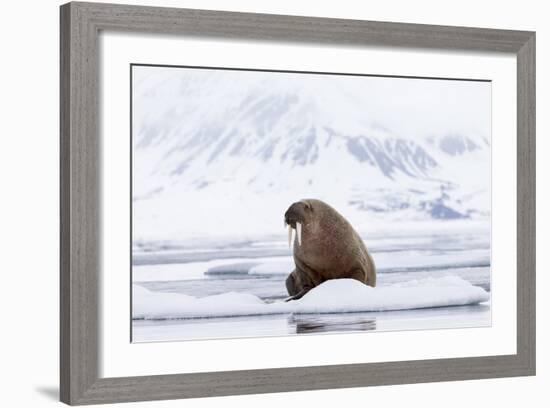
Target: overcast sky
(408,106)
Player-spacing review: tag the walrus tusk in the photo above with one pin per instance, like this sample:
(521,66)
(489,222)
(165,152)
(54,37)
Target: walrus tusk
(299,233)
(290,238)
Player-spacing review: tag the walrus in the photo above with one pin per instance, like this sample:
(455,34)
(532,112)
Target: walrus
(325,247)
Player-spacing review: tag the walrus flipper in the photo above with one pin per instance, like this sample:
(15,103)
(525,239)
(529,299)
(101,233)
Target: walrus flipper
(298,295)
(295,285)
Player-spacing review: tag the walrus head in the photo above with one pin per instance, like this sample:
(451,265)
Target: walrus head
(298,215)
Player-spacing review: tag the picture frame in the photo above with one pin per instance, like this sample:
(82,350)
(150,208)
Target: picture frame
(80,155)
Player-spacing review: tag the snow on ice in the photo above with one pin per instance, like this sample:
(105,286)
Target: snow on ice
(333,296)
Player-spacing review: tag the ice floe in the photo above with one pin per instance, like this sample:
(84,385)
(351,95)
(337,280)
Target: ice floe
(334,296)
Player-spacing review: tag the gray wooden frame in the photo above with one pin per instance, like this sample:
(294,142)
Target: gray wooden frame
(80,189)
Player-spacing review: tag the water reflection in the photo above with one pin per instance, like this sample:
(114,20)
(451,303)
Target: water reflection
(302,324)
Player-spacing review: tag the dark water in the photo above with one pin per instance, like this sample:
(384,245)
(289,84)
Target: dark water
(283,325)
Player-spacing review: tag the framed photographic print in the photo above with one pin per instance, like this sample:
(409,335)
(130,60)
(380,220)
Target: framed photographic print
(407,160)
(327,190)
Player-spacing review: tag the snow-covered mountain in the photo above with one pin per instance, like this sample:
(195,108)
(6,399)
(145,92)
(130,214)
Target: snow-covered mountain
(225,152)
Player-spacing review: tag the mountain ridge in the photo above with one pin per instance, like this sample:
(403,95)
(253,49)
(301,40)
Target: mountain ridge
(283,140)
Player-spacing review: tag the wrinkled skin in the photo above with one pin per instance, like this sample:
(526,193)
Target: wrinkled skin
(330,249)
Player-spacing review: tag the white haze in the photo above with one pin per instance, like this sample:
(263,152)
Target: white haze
(218,152)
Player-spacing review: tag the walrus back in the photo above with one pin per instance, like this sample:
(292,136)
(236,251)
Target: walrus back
(340,227)
(367,263)
(371,270)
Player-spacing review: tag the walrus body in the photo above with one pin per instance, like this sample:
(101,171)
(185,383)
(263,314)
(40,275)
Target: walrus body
(326,247)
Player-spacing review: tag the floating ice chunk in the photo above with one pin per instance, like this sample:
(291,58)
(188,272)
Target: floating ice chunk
(390,262)
(162,305)
(333,296)
(348,295)
(231,269)
(157,304)
(273,268)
